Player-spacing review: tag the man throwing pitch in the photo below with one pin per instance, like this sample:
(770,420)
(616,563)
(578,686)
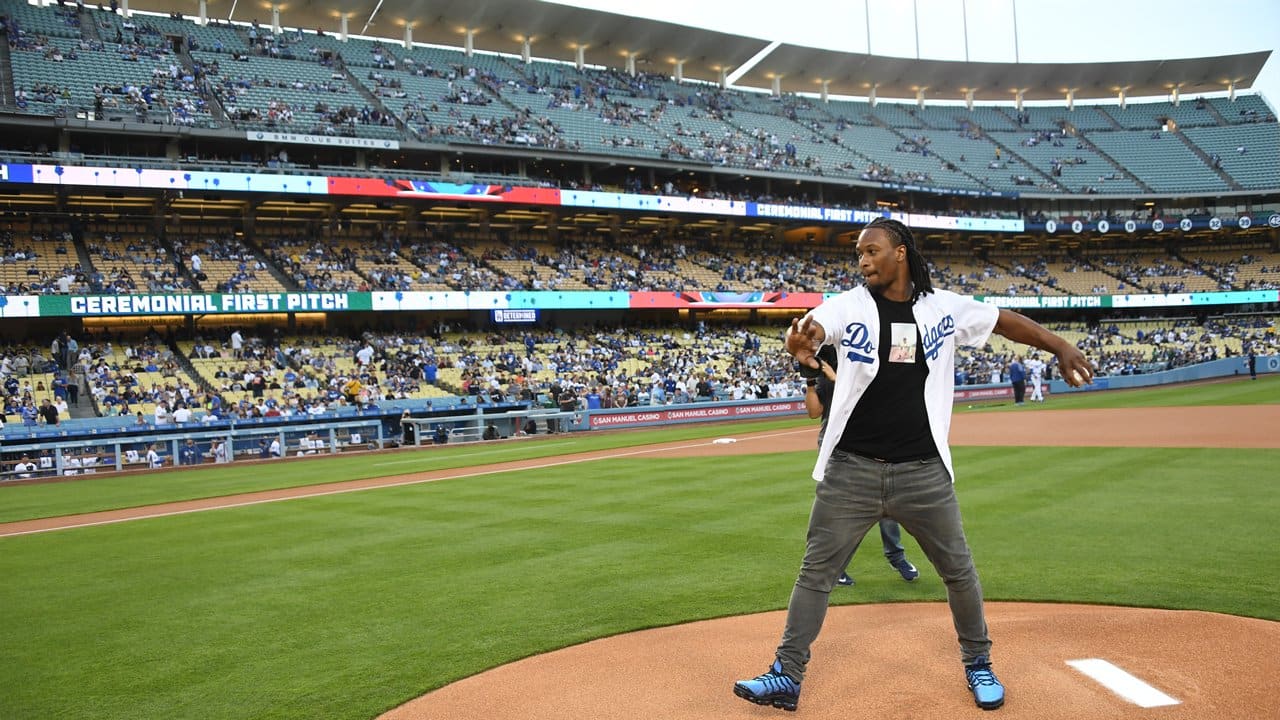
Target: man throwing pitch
(885,453)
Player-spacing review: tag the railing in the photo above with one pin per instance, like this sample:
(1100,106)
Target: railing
(68,457)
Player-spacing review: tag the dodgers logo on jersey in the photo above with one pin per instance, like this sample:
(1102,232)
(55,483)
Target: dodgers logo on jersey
(932,337)
(858,341)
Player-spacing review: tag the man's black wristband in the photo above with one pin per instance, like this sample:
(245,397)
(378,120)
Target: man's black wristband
(811,382)
(809,373)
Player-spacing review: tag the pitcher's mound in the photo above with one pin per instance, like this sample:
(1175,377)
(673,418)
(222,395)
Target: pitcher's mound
(891,661)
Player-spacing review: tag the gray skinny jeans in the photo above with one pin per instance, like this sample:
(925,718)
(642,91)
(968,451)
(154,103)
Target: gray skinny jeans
(855,493)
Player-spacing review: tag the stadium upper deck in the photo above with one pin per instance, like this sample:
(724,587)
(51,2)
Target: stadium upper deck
(188,80)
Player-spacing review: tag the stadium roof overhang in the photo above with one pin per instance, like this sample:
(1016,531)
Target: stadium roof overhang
(557,31)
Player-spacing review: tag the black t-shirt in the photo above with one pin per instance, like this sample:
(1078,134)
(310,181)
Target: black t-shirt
(890,421)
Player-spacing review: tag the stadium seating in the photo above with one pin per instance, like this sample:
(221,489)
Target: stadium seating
(304,81)
(1258,166)
(1080,166)
(1160,160)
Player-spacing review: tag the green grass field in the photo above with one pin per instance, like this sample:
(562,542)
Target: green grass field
(344,606)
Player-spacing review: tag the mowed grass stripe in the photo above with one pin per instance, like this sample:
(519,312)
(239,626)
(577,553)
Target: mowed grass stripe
(26,502)
(344,606)
(93,494)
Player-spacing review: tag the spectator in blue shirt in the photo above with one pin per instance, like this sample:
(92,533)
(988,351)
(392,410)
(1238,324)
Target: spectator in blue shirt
(1018,377)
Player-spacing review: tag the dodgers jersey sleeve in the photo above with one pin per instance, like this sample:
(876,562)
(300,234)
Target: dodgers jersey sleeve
(974,320)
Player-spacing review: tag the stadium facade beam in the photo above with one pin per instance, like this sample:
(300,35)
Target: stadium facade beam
(372,15)
(755,60)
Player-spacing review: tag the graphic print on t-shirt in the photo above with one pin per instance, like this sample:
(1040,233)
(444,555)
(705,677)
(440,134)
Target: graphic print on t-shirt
(902,337)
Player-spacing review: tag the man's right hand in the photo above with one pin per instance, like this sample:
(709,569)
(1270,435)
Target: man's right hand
(804,338)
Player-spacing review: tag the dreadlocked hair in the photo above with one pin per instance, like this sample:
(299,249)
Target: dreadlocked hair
(900,234)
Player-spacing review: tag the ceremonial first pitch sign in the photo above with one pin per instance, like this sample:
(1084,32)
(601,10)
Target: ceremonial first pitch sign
(201,303)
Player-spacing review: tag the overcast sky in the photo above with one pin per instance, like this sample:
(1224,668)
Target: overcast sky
(1079,31)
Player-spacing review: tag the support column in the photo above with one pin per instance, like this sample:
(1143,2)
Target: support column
(826,90)
(871,97)
(920,97)
(968,100)
(631,64)
(203,19)
(1176,95)
(275,19)
(1017,99)
(408,36)
(1231,90)
(777,86)
(1071,99)
(469,43)
(124,8)
(680,73)
(1123,99)
(580,57)
(722,81)
(342,27)
(526,51)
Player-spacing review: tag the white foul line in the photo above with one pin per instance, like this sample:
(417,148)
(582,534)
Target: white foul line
(398,483)
(1122,683)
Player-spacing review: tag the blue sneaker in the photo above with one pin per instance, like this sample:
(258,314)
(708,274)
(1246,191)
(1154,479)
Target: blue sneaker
(988,693)
(844,580)
(906,570)
(772,688)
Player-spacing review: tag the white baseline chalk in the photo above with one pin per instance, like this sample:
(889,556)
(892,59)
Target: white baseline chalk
(1122,683)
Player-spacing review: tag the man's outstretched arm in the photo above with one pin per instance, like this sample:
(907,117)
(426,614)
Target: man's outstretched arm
(1072,364)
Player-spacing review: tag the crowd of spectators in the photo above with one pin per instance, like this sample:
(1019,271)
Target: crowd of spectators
(341,257)
(269,375)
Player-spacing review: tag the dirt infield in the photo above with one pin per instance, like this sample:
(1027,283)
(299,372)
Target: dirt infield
(873,661)
(889,661)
